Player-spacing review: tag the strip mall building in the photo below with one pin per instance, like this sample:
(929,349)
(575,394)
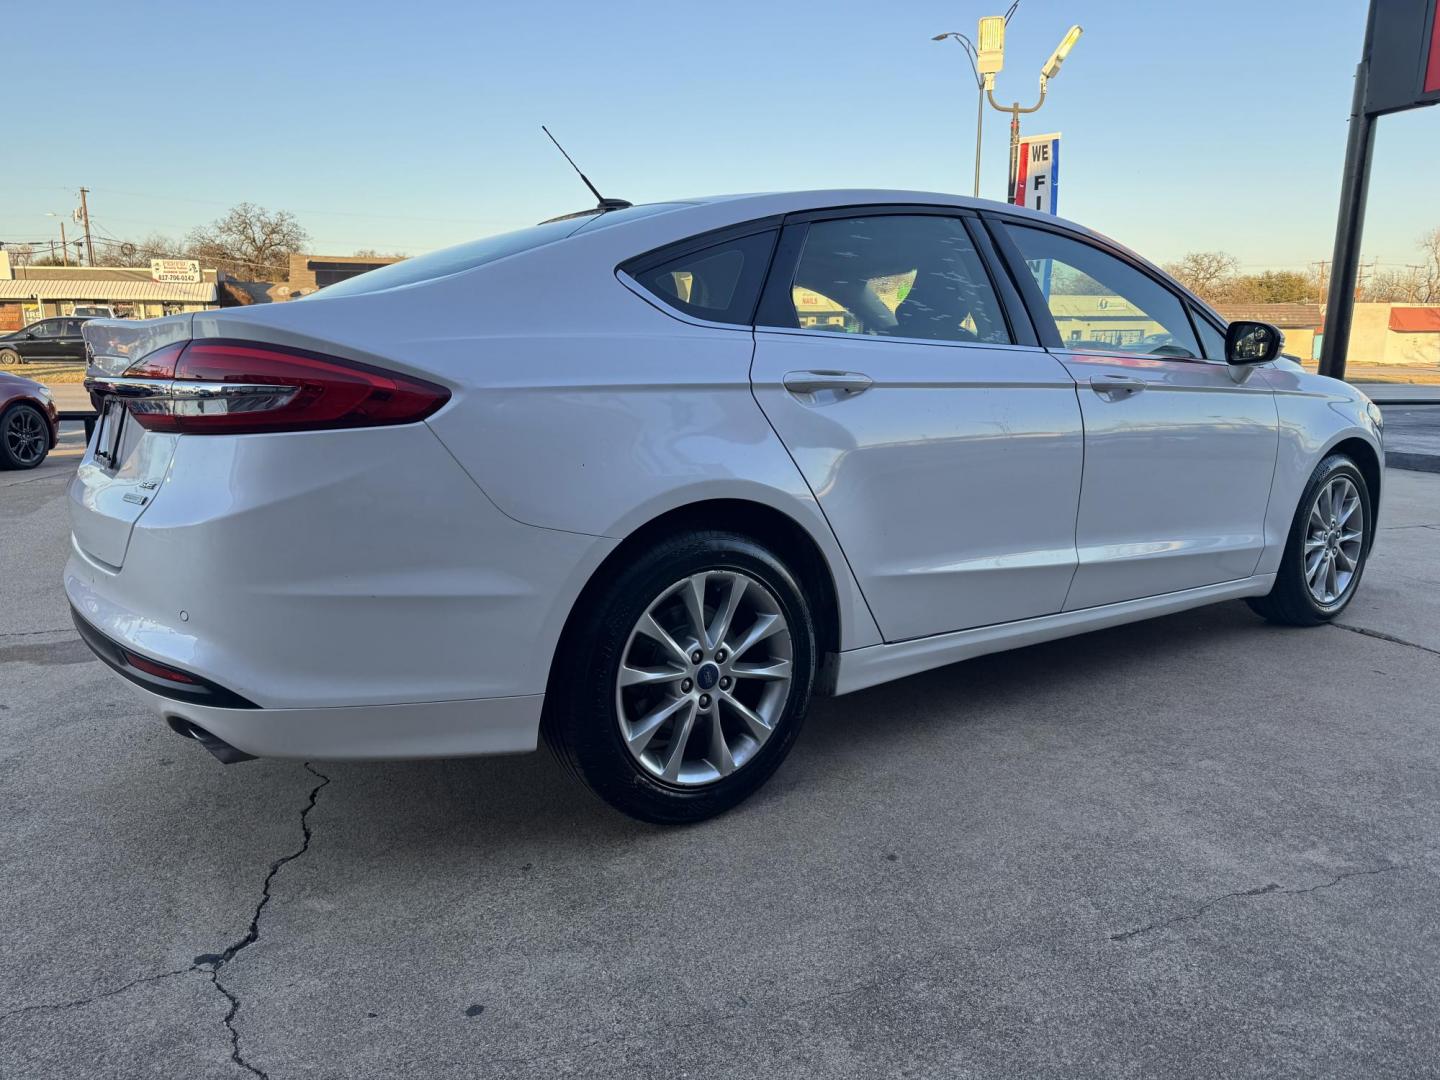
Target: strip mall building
(28,294)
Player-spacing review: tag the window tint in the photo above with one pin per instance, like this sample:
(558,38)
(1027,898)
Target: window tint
(910,276)
(1102,304)
(48,328)
(1212,339)
(720,283)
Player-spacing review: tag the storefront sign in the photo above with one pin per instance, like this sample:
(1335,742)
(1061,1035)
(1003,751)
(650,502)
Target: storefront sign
(178,271)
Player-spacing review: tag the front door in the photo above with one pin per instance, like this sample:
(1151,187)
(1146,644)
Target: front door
(1179,457)
(41,341)
(946,457)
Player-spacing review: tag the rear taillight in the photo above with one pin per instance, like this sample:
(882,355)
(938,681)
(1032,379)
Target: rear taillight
(212,387)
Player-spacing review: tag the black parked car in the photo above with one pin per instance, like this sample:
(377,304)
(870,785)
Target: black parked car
(48,339)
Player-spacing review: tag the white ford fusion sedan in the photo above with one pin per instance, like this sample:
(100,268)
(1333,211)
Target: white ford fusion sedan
(645,481)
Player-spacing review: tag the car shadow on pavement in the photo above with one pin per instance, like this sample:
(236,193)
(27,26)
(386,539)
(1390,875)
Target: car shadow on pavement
(518,801)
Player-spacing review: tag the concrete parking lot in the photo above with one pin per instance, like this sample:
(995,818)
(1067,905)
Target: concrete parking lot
(1201,846)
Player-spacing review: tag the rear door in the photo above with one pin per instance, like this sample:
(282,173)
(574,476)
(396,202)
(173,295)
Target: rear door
(1179,457)
(70,345)
(943,444)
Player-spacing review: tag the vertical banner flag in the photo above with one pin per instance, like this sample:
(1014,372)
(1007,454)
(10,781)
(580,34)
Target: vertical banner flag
(1037,172)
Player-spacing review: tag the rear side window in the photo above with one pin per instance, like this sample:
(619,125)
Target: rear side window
(910,276)
(719,283)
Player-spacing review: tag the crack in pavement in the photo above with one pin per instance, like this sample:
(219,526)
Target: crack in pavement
(62,1006)
(1380,636)
(1262,890)
(38,633)
(210,964)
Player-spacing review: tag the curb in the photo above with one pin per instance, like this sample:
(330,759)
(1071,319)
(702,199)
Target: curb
(1396,459)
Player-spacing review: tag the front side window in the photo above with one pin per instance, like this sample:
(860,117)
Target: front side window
(720,283)
(907,276)
(1101,303)
(48,328)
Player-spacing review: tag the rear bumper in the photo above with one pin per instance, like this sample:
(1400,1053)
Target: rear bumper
(321,570)
(430,729)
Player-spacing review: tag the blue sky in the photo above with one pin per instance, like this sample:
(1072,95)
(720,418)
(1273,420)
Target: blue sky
(410,126)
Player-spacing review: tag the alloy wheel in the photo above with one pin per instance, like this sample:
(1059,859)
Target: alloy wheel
(25,436)
(1334,540)
(704,677)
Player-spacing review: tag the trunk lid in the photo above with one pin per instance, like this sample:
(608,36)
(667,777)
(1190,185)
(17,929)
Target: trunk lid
(124,465)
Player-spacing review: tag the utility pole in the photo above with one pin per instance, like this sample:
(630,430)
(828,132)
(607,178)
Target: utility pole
(64,247)
(85,215)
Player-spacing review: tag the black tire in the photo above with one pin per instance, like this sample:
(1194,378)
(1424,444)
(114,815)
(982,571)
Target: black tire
(1290,602)
(582,723)
(16,453)
(9,357)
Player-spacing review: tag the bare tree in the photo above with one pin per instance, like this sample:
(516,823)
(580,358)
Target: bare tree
(1426,278)
(371,253)
(250,242)
(1205,273)
(138,253)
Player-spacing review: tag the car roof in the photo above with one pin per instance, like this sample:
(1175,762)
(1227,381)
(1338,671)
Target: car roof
(699,214)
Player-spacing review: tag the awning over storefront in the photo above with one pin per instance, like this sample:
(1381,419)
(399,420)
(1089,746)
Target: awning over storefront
(105,290)
(1415,320)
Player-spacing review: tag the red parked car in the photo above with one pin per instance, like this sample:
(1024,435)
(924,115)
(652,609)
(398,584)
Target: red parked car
(29,423)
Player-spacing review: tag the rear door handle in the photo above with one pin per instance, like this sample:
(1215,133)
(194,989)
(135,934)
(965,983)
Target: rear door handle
(1116,387)
(813,382)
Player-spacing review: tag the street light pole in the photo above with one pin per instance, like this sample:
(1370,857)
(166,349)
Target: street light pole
(971,54)
(1015,110)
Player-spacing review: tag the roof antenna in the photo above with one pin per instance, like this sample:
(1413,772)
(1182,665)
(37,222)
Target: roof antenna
(602,204)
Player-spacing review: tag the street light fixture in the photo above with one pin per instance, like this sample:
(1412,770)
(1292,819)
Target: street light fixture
(986,60)
(1048,72)
(1052,66)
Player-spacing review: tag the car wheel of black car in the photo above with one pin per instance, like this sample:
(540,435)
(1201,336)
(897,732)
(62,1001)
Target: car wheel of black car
(9,357)
(24,437)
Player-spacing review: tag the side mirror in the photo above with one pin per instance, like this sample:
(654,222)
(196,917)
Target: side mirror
(1249,343)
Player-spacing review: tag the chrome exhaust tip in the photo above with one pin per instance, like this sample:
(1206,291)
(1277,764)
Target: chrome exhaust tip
(223,751)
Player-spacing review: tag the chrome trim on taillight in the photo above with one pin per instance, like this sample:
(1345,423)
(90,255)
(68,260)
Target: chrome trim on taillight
(129,386)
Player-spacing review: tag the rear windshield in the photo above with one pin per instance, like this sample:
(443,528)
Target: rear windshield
(462,257)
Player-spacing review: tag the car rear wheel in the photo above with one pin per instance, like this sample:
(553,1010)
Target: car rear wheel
(683,683)
(24,437)
(9,357)
(1326,551)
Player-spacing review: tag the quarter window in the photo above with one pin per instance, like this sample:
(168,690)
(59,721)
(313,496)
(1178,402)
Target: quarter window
(1213,340)
(720,283)
(1101,303)
(903,275)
